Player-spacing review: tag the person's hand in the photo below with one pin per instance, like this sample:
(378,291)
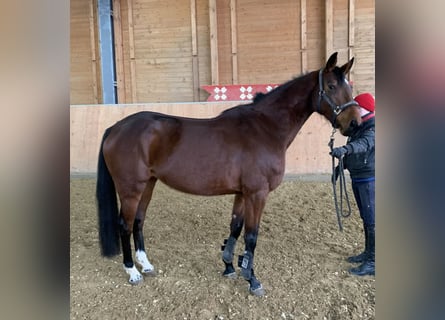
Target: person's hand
(339,152)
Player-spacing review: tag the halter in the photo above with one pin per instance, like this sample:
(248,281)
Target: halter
(337,110)
(323,96)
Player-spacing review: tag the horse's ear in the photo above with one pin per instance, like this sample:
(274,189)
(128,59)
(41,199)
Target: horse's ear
(347,66)
(332,62)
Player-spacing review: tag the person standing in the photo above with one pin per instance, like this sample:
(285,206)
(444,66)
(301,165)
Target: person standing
(359,160)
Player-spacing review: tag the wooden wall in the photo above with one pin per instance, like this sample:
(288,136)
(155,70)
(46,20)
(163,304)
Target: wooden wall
(308,154)
(166,49)
(364,46)
(85,78)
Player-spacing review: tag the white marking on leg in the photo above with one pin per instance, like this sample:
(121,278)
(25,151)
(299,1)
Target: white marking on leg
(141,258)
(135,275)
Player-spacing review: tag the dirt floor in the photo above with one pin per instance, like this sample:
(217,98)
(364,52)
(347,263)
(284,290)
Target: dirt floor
(300,260)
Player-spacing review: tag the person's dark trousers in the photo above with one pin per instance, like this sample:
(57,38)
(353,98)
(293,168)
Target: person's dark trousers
(364,193)
(361,256)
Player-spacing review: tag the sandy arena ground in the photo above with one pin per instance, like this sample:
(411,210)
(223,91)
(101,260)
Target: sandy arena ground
(300,260)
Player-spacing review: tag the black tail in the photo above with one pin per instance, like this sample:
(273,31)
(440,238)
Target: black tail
(107,207)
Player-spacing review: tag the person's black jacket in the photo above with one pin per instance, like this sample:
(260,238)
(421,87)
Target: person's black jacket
(360,159)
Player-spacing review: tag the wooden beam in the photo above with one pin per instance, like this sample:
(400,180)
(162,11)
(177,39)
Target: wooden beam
(234,38)
(132,52)
(329,28)
(213,42)
(193,24)
(119,52)
(351,23)
(93,52)
(195,61)
(303,29)
(351,33)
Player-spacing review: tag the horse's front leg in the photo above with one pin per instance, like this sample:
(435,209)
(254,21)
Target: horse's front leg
(254,205)
(236,225)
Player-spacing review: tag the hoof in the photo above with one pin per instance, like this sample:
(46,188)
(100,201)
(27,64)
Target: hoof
(135,276)
(135,281)
(257,291)
(230,275)
(149,272)
(255,287)
(229,272)
(146,267)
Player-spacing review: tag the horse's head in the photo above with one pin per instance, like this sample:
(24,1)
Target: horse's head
(334,99)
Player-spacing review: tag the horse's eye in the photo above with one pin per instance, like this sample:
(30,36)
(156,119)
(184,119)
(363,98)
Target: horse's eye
(331,87)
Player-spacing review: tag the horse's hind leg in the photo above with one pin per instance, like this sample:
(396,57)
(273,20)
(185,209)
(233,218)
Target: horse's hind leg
(138,235)
(129,207)
(236,225)
(131,197)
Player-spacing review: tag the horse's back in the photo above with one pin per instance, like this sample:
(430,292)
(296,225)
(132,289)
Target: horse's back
(139,141)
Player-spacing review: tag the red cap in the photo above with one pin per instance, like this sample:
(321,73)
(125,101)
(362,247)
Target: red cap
(366,101)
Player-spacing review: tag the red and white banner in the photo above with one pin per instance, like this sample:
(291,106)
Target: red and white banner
(236,92)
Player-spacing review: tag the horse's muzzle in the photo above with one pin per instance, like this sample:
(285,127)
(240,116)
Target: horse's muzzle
(352,125)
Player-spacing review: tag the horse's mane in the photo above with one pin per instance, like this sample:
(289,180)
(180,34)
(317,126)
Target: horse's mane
(259,96)
(278,90)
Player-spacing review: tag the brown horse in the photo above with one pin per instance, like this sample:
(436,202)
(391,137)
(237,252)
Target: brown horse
(241,152)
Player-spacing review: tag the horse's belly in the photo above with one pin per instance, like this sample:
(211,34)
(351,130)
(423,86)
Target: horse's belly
(199,185)
(201,178)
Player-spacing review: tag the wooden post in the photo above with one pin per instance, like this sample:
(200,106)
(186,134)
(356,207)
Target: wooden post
(213,42)
(233,29)
(93,53)
(303,28)
(195,64)
(132,55)
(119,52)
(351,32)
(329,28)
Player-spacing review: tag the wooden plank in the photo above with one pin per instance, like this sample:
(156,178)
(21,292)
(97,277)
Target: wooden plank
(119,53)
(303,36)
(233,25)
(352,72)
(351,22)
(233,29)
(351,31)
(93,52)
(132,54)
(225,60)
(195,74)
(195,62)
(213,42)
(202,17)
(329,27)
(193,23)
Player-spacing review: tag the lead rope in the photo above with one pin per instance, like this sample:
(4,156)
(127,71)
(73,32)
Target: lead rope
(339,209)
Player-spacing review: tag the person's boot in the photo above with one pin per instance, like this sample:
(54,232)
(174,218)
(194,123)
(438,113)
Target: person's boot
(362,256)
(368,266)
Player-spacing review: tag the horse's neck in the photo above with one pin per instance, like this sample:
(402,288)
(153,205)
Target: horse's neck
(292,107)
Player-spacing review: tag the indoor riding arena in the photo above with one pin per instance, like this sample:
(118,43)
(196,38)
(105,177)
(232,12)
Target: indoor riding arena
(196,59)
